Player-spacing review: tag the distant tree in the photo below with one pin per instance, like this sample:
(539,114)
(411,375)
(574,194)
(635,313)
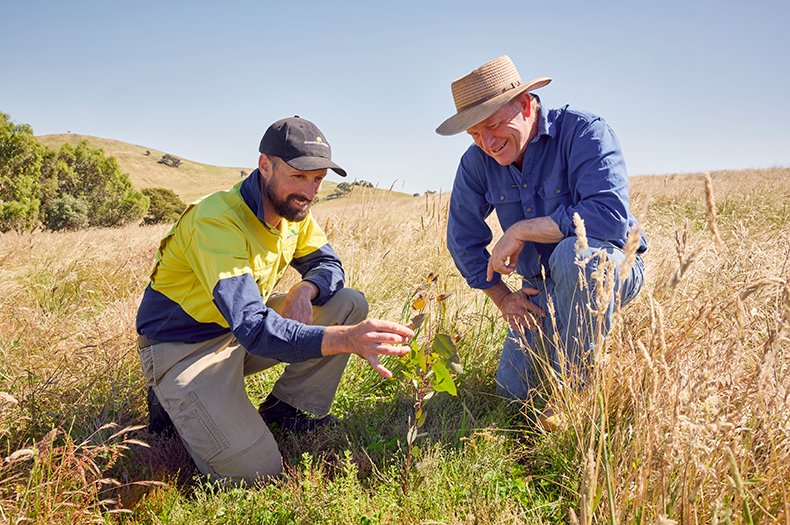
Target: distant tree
(20,165)
(147,153)
(344,187)
(165,206)
(86,174)
(170,160)
(66,213)
(243,174)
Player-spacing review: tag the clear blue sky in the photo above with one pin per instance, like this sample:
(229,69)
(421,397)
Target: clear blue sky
(687,85)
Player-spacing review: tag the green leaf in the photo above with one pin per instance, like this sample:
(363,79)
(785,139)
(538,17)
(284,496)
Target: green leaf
(444,381)
(421,416)
(421,361)
(444,345)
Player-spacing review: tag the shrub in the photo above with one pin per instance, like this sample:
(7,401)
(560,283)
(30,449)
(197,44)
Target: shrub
(165,206)
(66,213)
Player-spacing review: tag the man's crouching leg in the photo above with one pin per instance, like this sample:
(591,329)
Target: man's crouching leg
(201,386)
(579,327)
(310,386)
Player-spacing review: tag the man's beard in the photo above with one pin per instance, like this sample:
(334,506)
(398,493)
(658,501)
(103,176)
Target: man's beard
(283,206)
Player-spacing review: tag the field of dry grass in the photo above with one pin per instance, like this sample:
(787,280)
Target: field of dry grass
(688,421)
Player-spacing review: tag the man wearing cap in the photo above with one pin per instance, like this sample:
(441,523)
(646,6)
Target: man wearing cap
(537,169)
(208,318)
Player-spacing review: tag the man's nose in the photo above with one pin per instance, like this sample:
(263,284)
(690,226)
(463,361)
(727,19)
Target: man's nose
(488,138)
(309,191)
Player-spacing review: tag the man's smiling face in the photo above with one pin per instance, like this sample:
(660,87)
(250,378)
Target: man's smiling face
(291,192)
(504,135)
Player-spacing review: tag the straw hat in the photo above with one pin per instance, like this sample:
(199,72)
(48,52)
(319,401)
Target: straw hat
(483,91)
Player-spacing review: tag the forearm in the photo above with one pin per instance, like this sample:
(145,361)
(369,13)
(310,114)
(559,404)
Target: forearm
(541,230)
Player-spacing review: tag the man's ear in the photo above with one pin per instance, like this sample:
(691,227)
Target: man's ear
(265,166)
(526,104)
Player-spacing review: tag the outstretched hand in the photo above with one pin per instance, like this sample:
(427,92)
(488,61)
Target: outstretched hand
(369,339)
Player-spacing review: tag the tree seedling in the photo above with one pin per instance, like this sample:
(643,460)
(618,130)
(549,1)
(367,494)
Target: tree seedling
(429,366)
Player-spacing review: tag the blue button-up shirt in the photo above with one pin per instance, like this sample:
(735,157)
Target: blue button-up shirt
(573,165)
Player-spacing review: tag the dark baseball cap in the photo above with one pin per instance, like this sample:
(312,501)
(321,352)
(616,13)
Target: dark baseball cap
(300,144)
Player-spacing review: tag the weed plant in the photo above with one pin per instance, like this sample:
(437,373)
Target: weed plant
(686,421)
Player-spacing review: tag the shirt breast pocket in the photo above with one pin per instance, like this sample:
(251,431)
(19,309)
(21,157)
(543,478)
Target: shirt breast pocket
(502,196)
(554,189)
(507,203)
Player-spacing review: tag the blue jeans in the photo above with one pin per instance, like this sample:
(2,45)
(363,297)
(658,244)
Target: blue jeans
(565,346)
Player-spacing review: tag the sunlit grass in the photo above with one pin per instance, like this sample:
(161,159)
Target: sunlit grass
(688,421)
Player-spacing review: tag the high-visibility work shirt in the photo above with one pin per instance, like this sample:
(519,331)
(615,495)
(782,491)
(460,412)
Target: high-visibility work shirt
(573,165)
(219,263)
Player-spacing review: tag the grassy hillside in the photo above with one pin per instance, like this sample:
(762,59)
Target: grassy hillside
(687,419)
(190,181)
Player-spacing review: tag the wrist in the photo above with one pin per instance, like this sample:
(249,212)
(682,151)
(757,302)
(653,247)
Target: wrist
(332,342)
(497,293)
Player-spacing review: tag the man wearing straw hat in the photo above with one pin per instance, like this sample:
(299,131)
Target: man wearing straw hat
(208,317)
(539,168)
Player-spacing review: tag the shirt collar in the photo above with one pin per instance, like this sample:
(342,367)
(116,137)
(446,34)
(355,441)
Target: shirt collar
(544,126)
(251,193)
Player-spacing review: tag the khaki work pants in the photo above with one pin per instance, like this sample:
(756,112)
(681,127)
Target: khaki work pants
(201,386)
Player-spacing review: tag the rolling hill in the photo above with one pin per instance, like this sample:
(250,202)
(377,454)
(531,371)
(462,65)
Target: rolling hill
(190,181)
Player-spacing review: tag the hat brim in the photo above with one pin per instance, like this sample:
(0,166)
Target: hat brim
(464,120)
(314,163)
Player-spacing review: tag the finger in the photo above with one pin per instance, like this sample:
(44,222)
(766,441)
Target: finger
(378,367)
(512,263)
(490,270)
(528,304)
(392,350)
(379,327)
(385,338)
(535,309)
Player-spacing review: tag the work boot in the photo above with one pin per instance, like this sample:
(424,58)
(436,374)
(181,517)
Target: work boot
(551,419)
(283,416)
(159,421)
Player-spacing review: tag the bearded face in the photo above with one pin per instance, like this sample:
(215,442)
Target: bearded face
(293,207)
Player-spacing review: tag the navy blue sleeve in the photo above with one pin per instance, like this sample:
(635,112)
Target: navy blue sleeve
(598,180)
(261,330)
(468,234)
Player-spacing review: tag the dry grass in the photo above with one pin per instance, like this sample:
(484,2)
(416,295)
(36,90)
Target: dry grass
(688,422)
